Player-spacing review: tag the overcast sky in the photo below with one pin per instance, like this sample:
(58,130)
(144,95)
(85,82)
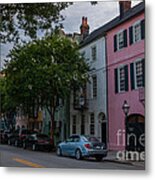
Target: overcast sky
(97,16)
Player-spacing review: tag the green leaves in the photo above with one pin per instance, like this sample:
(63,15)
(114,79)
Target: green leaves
(29,18)
(44,69)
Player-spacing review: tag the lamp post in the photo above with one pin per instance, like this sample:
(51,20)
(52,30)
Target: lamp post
(125,109)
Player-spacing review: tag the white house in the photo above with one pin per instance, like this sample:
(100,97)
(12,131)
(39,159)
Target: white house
(89,115)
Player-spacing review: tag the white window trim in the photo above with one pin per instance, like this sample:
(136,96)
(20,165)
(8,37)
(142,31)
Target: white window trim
(91,123)
(133,30)
(118,75)
(92,92)
(135,77)
(94,46)
(117,36)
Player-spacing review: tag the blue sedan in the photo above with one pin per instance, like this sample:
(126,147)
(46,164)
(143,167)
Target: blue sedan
(80,146)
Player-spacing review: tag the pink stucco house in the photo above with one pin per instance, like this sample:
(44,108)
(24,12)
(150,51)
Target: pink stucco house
(125,77)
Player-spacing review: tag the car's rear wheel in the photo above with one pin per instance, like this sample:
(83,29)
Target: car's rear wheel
(99,158)
(59,151)
(78,154)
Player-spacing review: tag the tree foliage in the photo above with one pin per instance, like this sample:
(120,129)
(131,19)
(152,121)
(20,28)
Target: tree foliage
(29,18)
(44,70)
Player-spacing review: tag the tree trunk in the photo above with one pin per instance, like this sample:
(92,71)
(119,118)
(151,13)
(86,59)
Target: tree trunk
(52,114)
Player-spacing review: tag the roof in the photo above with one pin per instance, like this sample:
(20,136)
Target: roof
(100,32)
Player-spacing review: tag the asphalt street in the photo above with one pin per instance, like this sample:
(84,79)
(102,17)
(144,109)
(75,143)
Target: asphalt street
(11,156)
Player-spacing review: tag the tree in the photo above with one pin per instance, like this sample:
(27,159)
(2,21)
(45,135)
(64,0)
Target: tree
(29,18)
(43,71)
(7,106)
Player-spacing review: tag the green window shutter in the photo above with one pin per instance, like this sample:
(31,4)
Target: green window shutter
(143,29)
(126,77)
(131,35)
(115,43)
(116,80)
(125,38)
(132,74)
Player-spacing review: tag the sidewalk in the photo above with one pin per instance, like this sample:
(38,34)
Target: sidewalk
(112,157)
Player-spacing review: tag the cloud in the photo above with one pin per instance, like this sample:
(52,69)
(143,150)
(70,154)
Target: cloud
(97,15)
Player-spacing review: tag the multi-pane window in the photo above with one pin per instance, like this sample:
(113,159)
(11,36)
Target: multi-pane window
(92,124)
(82,124)
(121,78)
(120,40)
(137,32)
(93,53)
(74,124)
(94,79)
(137,74)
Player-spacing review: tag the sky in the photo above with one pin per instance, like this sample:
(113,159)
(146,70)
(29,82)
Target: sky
(97,16)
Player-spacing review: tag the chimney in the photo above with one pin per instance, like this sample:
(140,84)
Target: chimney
(84,28)
(123,7)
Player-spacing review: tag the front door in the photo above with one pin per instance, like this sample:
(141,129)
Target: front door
(135,133)
(104,132)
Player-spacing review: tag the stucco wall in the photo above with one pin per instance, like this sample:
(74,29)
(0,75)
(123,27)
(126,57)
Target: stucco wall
(98,104)
(115,101)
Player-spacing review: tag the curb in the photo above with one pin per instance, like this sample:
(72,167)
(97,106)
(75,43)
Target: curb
(119,162)
(124,162)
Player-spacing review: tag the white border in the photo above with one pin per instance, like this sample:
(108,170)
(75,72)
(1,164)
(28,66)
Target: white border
(40,174)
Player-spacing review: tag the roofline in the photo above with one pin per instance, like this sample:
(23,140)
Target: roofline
(96,38)
(124,19)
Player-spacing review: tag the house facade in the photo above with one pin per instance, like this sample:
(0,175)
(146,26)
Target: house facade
(126,81)
(89,115)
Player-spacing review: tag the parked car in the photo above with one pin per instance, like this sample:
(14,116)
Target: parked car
(80,146)
(38,142)
(11,139)
(4,135)
(18,136)
(1,134)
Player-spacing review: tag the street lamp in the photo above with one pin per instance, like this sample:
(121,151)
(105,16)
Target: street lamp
(125,109)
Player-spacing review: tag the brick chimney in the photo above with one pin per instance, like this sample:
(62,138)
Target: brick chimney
(123,7)
(84,28)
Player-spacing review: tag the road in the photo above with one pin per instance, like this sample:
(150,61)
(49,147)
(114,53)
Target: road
(11,156)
